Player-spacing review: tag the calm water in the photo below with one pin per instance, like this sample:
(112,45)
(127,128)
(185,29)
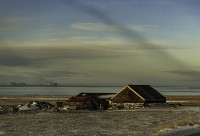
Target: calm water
(25,91)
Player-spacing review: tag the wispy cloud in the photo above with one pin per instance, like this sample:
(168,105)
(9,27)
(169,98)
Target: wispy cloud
(107,27)
(141,28)
(9,29)
(95,27)
(12,24)
(14,19)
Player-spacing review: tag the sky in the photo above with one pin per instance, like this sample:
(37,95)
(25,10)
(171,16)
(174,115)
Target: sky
(100,42)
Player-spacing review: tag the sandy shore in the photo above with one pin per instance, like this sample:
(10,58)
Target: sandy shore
(139,122)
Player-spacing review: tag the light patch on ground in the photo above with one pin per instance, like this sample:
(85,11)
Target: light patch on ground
(177,101)
(2,133)
(165,130)
(180,129)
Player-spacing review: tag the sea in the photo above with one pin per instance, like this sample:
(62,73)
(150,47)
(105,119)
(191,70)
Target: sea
(70,91)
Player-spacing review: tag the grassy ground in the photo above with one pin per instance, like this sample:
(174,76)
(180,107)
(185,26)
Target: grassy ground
(138,122)
(143,122)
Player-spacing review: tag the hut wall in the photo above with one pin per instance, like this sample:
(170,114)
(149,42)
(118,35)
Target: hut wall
(127,96)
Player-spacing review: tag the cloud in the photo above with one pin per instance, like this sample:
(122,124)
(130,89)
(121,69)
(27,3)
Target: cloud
(13,23)
(127,33)
(12,57)
(14,20)
(74,48)
(186,73)
(141,28)
(59,73)
(37,75)
(95,27)
(45,55)
(8,29)
(6,78)
(109,27)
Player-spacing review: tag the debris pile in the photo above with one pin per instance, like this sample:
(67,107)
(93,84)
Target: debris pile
(31,106)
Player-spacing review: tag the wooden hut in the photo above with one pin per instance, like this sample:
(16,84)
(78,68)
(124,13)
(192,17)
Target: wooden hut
(136,95)
(80,102)
(109,95)
(101,99)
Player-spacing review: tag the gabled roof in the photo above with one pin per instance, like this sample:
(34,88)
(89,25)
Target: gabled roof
(79,99)
(97,95)
(145,92)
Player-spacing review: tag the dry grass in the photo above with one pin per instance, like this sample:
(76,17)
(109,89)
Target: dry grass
(141,122)
(176,123)
(184,100)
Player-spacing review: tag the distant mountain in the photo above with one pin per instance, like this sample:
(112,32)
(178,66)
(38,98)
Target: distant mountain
(48,83)
(14,84)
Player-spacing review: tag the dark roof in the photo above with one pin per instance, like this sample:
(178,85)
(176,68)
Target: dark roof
(79,99)
(147,92)
(95,95)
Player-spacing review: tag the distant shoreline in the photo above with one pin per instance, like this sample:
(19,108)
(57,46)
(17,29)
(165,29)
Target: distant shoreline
(57,86)
(181,100)
(189,87)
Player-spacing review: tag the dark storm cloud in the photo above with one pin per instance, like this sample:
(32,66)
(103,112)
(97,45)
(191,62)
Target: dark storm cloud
(42,56)
(12,57)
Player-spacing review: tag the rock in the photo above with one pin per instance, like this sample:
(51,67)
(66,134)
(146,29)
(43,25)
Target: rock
(28,107)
